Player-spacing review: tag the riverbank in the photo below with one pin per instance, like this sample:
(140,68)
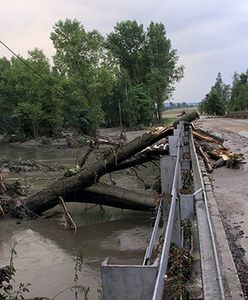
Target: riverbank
(45,249)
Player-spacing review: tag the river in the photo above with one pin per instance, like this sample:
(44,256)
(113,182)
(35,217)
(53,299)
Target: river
(46,251)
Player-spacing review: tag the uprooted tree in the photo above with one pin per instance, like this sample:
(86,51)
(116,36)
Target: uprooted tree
(83,185)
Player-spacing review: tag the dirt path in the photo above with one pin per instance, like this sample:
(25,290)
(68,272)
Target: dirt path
(231,190)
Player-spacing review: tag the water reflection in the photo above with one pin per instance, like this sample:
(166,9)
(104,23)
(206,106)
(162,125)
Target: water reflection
(44,153)
(46,250)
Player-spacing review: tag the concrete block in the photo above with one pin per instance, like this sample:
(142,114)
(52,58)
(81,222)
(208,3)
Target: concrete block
(167,169)
(176,231)
(185,164)
(187,206)
(134,282)
(173,145)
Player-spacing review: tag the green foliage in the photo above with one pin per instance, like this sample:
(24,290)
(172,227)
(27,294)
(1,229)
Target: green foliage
(145,58)
(86,70)
(223,98)
(239,93)
(127,45)
(21,89)
(6,122)
(138,107)
(29,115)
(216,102)
(7,291)
(93,80)
(162,61)
(212,105)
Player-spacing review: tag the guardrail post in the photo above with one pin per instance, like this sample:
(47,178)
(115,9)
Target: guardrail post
(187,206)
(167,165)
(186,200)
(176,232)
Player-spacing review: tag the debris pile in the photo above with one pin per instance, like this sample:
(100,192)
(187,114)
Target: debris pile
(213,153)
(20,165)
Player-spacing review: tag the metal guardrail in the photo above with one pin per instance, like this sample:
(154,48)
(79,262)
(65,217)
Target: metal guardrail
(150,247)
(161,277)
(211,273)
(116,278)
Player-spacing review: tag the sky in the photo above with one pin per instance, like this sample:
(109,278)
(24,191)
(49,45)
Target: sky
(210,36)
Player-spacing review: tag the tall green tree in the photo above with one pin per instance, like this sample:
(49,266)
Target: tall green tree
(86,69)
(222,90)
(20,88)
(212,105)
(29,116)
(216,102)
(239,92)
(163,71)
(148,59)
(93,81)
(127,45)
(5,100)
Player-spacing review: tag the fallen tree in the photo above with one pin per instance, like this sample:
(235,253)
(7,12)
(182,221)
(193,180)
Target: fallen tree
(82,185)
(114,196)
(92,171)
(211,146)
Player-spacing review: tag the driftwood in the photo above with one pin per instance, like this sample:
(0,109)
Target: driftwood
(82,184)
(209,145)
(205,158)
(204,137)
(69,223)
(219,163)
(208,134)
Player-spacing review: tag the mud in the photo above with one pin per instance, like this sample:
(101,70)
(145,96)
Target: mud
(230,190)
(46,251)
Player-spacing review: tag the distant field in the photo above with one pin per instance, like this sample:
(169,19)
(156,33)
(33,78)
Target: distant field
(173,113)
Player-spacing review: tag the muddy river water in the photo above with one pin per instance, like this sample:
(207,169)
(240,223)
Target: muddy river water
(46,251)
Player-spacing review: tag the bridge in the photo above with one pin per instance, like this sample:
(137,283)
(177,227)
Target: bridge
(181,201)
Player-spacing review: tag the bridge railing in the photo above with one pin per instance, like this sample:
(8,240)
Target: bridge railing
(161,277)
(147,281)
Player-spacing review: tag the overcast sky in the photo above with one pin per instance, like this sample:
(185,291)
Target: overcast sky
(210,36)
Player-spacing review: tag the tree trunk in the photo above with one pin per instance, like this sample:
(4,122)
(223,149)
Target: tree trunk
(114,196)
(187,118)
(205,158)
(102,194)
(92,170)
(159,110)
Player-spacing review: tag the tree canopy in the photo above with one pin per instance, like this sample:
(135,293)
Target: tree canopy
(147,58)
(224,98)
(92,80)
(215,101)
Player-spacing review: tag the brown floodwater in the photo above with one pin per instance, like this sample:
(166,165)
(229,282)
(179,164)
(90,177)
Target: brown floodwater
(46,251)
